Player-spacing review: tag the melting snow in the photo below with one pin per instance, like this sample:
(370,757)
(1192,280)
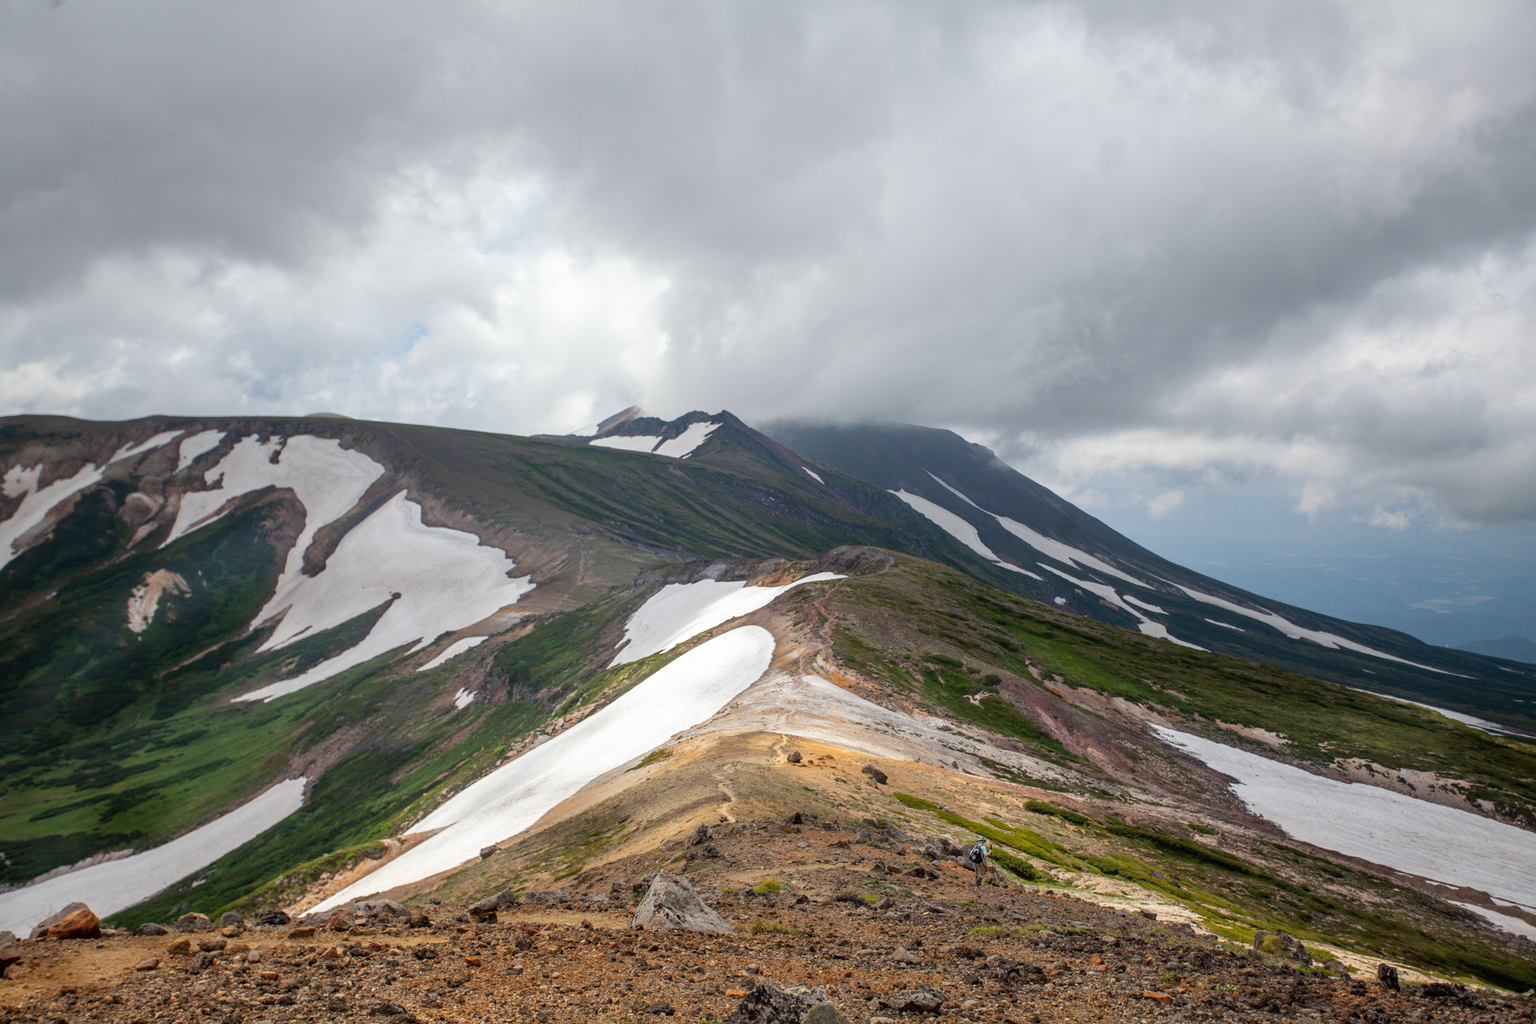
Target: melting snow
(1107,592)
(1296,632)
(145,599)
(1511,924)
(130,450)
(455,649)
(1059,600)
(198,444)
(445,579)
(36,504)
(681,611)
(815,477)
(1447,845)
(1144,605)
(677,696)
(683,445)
(956,527)
(463,699)
(679,447)
(630,443)
(1226,625)
(118,884)
(1481,724)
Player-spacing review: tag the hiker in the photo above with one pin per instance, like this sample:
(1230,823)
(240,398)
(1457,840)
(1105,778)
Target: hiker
(977,857)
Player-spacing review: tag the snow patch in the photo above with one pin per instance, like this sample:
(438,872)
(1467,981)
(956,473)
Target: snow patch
(463,699)
(683,445)
(681,611)
(950,523)
(1506,922)
(1226,625)
(144,601)
(631,443)
(20,480)
(1296,632)
(677,696)
(1445,844)
(1143,605)
(119,884)
(127,451)
(445,580)
(1107,592)
(196,445)
(455,649)
(1059,600)
(1481,724)
(37,503)
(814,476)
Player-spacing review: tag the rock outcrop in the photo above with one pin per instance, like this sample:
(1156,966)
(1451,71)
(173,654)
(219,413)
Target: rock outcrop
(673,904)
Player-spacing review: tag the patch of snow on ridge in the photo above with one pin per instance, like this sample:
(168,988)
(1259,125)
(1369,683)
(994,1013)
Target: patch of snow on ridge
(463,699)
(814,476)
(1481,724)
(446,580)
(1144,605)
(20,482)
(681,611)
(1447,845)
(1064,553)
(1507,922)
(677,696)
(956,527)
(1226,625)
(1317,636)
(196,445)
(129,450)
(455,649)
(119,884)
(1107,592)
(629,443)
(684,444)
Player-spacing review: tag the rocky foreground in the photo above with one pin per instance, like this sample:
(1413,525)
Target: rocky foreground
(826,923)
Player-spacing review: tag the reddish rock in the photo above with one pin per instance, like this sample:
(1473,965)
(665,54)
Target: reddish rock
(332,954)
(304,932)
(10,950)
(340,920)
(75,921)
(147,965)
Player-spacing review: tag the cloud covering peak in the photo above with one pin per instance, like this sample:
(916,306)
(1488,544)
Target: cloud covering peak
(1191,240)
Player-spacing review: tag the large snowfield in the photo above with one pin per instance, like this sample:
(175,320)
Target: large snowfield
(677,696)
(118,884)
(1444,844)
(446,580)
(679,447)
(681,611)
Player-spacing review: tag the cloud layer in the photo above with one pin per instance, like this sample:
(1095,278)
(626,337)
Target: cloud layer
(1192,241)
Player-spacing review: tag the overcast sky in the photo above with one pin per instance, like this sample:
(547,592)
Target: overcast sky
(1185,243)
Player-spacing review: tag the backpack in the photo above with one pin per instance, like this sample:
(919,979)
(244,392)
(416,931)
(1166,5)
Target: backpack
(978,854)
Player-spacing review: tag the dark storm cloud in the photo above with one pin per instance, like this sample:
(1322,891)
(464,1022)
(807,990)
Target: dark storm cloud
(1184,239)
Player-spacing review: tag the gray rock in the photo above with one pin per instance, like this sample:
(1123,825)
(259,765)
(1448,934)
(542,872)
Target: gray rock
(1281,944)
(193,923)
(1386,975)
(917,1000)
(875,773)
(672,903)
(905,956)
(702,834)
(768,1004)
(10,950)
(273,918)
(230,919)
(794,757)
(485,910)
(381,911)
(151,928)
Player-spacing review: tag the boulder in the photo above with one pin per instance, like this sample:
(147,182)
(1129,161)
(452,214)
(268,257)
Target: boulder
(702,834)
(273,918)
(419,918)
(1281,944)
(1386,976)
(10,950)
(150,928)
(75,921)
(917,1000)
(768,1004)
(230,919)
(672,904)
(487,851)
(794,757)
(341,920)
(193,923)
(875,773)
(381,911)
(485,910)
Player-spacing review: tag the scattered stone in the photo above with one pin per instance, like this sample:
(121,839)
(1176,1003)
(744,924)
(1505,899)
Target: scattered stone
(875,773)
(663,1008)
(75,921)
(212,945)
(333,953)
(702,834)
(671,904)
(486,851)
(917,1000)
(768,1004)
(380,911)
(273,919)
(1386,975)
(1281,944)
(151,928)
(485,910)
(794,758)
(147,965)
(180,947)
(419,918)
(193,923)
(904,956)
(10,950)
(341,920)
(230,919)
(1158,997)
(301,932)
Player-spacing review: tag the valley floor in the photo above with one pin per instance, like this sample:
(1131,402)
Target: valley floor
(853,910)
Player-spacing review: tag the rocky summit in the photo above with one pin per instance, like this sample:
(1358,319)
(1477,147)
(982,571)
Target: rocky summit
(823,937)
